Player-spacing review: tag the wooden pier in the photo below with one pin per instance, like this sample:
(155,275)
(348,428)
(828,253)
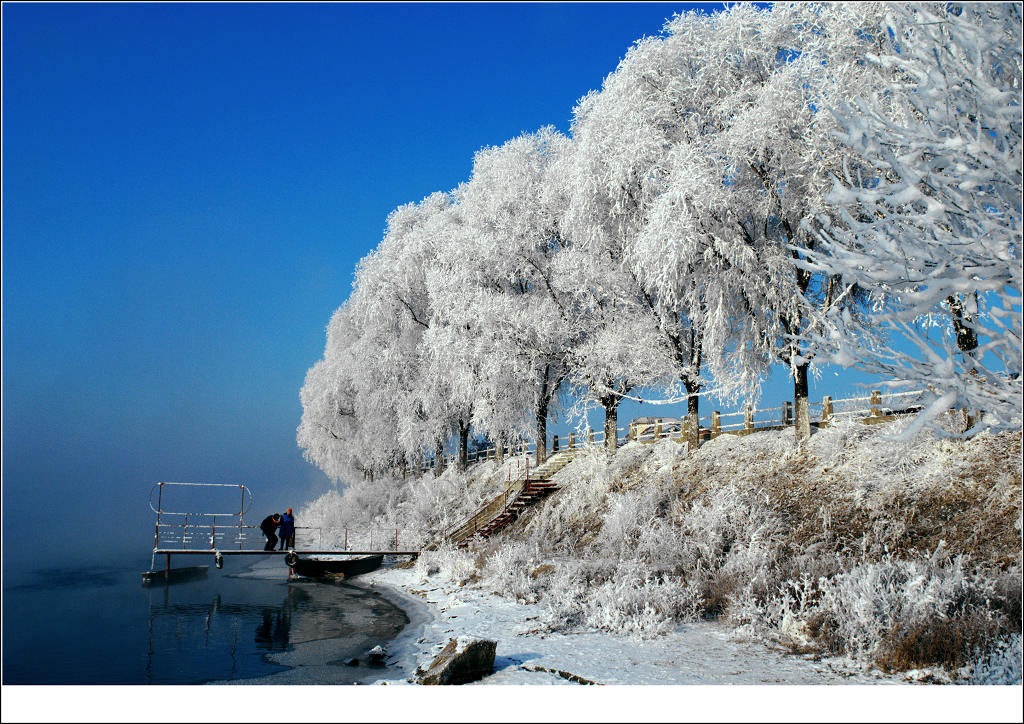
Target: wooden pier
(221,534)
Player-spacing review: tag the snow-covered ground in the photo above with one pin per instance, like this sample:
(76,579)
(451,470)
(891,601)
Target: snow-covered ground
(685,668)
(673,677)
(695,653)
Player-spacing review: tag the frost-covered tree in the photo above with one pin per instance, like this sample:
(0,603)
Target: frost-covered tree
(329,432)
(509,275)
(379,400)
(620,341)
(621,141)
(397,286)
(453,357)
(701,157)
(930,222)
(618,345)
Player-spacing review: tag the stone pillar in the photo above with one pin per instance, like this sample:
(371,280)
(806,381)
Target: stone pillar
(787,413)
(554,443)
(802,419)
(748,420)
(691,430)
(590,436)
(826,411)
(716,424)
(657,428)
(876,401)
(572,440)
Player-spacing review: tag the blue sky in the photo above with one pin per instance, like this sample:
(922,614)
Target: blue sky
(187,190)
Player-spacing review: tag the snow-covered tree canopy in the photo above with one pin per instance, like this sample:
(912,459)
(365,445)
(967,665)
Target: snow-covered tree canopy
(930,221)
(743,186)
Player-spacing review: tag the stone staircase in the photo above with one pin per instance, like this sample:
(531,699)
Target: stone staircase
(504,508)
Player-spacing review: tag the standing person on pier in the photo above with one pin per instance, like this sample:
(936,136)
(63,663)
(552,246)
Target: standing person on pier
(287,531)
(269,528)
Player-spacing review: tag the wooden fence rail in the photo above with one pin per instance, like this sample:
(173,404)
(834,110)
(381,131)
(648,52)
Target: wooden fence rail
(870,409)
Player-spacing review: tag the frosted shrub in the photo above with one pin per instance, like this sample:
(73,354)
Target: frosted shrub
(563,601)
(781,614)
(731,542)
(660,546)
(574,517)
(508,572)
(621,524)
(621,599)
(452,564)
(631,603)
(751,584)
(905,614)
(429,504)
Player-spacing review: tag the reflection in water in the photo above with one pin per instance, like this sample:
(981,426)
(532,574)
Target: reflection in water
(272,632)
(219,636)
(214,628)
(97,625)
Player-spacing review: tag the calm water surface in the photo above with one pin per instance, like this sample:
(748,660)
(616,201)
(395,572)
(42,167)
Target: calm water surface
(101,626)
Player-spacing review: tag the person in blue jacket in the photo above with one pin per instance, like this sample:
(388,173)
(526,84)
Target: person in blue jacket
(287,530)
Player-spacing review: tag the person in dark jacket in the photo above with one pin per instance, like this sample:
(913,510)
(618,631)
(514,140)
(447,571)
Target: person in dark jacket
(287,531)
(269,528)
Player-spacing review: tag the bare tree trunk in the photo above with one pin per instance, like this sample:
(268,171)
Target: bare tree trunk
(966,336)
(967,343)
(439,458)
(463,446)
(611,422)
(692,424)
(802,411)
(542,426)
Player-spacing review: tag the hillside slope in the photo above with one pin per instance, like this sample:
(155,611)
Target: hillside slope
(899,554)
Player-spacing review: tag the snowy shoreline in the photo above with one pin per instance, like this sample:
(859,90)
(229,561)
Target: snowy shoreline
(693,654)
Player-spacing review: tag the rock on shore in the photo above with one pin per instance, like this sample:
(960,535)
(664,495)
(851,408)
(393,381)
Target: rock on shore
(463,660)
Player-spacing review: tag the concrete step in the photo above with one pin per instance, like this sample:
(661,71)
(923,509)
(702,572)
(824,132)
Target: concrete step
(535,489)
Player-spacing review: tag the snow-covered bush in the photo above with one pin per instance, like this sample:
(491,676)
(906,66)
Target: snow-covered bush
(622,597)
(908,614)
(631,602)
(509,571)
(450,564)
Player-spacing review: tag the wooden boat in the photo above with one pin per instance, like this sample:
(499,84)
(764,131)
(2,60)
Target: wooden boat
(346,568)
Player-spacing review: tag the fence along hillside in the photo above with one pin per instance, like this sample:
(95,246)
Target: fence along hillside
(870,410)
